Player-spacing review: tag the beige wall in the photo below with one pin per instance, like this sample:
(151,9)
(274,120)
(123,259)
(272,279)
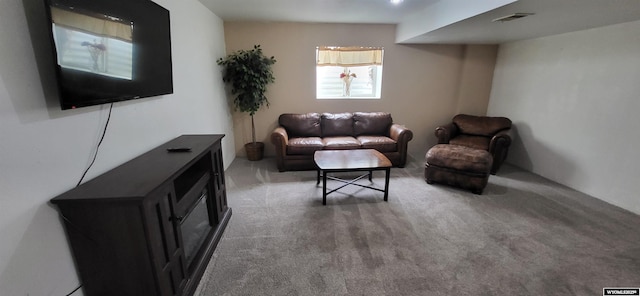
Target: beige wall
(423,85)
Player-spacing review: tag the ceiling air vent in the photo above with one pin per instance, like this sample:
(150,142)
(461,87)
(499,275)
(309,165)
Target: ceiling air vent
(511,17)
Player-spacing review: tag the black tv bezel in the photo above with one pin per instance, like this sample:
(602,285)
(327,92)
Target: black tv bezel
(153,66)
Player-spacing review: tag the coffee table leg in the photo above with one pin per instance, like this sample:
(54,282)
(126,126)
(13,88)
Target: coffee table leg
(324,188)
(386,183)
(370,175)
(318,178)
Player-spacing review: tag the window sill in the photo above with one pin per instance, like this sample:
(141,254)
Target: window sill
(348,98)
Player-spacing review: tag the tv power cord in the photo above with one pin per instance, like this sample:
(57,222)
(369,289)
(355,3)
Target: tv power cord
(95,155)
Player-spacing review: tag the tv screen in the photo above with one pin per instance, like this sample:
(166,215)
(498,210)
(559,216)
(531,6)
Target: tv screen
(110,50)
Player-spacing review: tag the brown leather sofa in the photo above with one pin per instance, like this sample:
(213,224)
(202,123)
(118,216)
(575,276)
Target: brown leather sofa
(492,134)
(298,136)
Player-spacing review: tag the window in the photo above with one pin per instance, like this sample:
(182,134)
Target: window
(348,72)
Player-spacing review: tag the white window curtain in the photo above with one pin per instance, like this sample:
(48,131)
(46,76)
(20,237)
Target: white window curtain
(349,56)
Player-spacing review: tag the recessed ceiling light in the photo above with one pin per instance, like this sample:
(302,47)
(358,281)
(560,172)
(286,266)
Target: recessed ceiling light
(396,2)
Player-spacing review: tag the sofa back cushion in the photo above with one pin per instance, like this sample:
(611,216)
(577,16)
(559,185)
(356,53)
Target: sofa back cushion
(371,123)
(481,125)
(301,125)
(337,124)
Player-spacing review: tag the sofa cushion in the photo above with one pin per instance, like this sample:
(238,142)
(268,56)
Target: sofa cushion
(301,125)
(380,143)
(371,123)
(337,124)
(335,143)
(481,125)
(477,142)
(304,146)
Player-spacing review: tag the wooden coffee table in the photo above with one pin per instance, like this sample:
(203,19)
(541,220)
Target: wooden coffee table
(333,161)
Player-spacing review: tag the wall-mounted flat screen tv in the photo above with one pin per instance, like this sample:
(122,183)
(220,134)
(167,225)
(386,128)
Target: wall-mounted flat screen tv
(109,50)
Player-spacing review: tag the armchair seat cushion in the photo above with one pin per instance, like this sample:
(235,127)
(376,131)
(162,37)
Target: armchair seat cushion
(380,143)
(477,142)
(335,143)
(304,146)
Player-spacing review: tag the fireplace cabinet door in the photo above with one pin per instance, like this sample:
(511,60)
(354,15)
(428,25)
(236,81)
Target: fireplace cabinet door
(220,191)
(166,245)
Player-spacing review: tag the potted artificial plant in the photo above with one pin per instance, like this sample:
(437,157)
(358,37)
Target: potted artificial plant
(248,72)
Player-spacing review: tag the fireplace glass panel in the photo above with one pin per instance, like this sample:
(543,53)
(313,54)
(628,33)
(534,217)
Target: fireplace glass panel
(195,227)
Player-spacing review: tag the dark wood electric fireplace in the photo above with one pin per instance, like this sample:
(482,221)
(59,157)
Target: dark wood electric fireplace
(149,226)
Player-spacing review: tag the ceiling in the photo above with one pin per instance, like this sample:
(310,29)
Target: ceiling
(440,21)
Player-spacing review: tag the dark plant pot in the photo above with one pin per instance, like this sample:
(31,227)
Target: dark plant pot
(254,152)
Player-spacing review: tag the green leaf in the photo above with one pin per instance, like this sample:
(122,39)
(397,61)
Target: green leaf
(248,72)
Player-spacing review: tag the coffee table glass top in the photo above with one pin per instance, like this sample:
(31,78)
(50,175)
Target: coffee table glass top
(350,159)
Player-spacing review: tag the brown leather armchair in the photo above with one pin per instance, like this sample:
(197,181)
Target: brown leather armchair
(492,134)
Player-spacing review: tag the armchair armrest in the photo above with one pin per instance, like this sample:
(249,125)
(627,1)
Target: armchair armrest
(499,148)
(499,141)
(444,133)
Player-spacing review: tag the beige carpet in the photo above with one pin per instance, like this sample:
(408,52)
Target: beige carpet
(524,236)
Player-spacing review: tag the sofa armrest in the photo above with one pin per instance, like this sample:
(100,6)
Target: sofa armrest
(400,133)
(444,133)
(402,136)
(280,139)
